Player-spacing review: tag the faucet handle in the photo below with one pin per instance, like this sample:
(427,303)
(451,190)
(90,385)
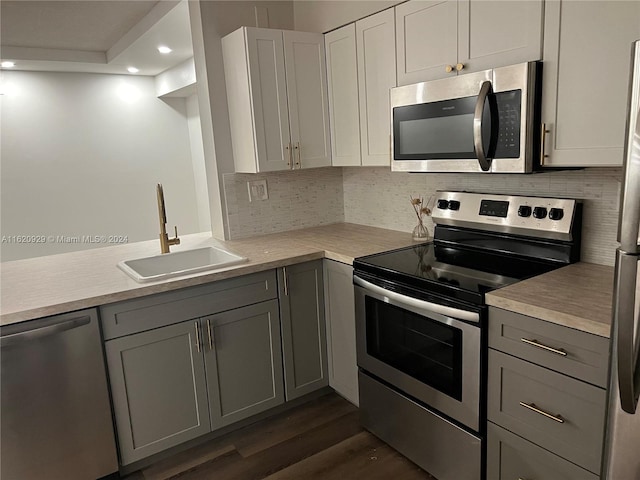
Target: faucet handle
(175,240)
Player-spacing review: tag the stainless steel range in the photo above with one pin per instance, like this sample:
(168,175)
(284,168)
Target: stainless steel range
(421,321)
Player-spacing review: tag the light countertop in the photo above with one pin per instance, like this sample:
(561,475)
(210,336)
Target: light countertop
(43,286)
(577,296)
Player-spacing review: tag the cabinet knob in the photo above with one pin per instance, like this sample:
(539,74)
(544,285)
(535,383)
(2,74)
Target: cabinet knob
(459,66)
(448,69)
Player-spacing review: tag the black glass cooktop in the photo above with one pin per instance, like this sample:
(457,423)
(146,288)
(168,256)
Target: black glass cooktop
(451,271)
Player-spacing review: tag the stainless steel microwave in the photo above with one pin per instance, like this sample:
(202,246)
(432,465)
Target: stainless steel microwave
(478,122)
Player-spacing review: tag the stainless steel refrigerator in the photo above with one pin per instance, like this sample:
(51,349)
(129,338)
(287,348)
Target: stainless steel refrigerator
(622,446)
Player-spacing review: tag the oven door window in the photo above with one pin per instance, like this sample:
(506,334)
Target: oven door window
(425,349)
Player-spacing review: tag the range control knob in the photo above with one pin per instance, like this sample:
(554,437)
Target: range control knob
(443,204)
(539,212)
(524,211)
(454,205)
(556,214)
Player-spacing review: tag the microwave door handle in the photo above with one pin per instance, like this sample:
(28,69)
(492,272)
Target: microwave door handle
(485,90)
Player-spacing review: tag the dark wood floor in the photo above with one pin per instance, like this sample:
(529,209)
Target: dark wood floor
(319,440)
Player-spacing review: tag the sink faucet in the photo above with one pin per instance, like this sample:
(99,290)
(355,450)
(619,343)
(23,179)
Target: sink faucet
(165,241)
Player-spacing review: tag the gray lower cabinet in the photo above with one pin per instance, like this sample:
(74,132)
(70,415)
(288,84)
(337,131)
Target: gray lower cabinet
(510,457)
(303,328)
(556,412)
(158,388)
(341,329)
(197,360)
(545,406)
(243,362)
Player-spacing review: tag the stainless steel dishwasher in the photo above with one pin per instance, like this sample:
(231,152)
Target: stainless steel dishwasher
(56,417)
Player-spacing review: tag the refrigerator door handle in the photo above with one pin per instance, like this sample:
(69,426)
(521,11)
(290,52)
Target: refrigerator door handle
(630,204)
(624,295)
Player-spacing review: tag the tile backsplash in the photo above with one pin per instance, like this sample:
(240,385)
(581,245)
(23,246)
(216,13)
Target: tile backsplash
(297,199)
(376,196)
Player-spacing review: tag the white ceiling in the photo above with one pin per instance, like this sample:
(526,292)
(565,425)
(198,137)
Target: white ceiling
(94,36)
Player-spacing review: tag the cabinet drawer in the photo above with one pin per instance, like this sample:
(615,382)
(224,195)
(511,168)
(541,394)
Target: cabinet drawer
(556,412)
(132,316)
(587,355)
(510,457)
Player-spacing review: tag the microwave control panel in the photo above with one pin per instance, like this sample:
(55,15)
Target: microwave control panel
(509,124)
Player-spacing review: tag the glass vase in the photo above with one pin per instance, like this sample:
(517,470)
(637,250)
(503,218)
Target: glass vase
(420,233)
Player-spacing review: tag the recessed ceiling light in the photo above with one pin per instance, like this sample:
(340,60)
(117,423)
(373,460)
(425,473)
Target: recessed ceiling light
(132,70)
(163,49)
(8,64)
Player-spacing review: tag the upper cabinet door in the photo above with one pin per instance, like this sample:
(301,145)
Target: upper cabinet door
(498,33)
(427,40)
(442,38)
(375,40)
(585,84)
(257,99)
(265,53)
(342,81)
(307,95)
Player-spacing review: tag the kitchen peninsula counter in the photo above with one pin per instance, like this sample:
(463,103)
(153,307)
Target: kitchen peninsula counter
(43,286)
(577,296)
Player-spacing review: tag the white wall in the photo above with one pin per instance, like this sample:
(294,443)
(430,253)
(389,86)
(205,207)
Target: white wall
(198,163)
(81,155)
(322,16)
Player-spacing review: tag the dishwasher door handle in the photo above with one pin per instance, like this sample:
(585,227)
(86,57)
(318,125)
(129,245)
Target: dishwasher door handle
(29,335)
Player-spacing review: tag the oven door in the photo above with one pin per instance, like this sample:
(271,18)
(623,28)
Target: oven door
(422,349)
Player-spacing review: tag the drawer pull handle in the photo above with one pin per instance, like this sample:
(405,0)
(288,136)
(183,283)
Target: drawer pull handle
(535,343)
(286,283)
(197,337)
(210,334)
(532,406)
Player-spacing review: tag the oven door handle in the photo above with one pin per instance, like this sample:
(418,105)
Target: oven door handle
(420,304)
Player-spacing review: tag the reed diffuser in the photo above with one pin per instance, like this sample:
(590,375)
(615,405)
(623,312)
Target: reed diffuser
(421,209)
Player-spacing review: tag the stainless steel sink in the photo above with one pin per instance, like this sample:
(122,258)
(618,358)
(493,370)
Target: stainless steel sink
(158,267)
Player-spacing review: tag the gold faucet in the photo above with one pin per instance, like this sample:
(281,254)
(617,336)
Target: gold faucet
(165,241)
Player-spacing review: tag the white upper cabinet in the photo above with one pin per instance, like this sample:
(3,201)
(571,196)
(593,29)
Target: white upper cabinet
(427,40)
(375,44)
(440,38)
(304,59)
(276,92)
(587,52)
(342,80)
(361,66)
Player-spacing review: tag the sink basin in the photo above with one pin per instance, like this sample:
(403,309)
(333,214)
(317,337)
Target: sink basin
(158,267)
